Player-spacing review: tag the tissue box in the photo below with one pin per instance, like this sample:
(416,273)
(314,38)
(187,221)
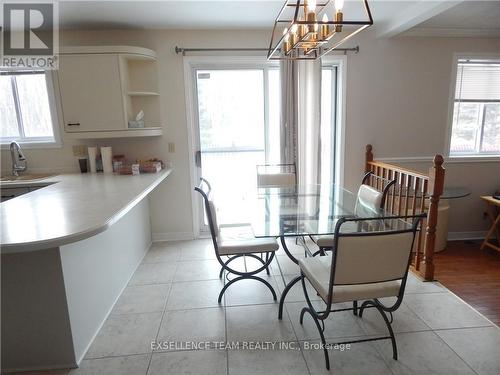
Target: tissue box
(133,124)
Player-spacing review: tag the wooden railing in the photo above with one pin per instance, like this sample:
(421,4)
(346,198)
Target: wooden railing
(413,193)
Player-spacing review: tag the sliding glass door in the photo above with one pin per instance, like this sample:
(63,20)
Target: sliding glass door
(237,115)
(238,128)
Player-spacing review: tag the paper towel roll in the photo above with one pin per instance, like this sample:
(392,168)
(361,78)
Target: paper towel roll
(107,159)
(92,159)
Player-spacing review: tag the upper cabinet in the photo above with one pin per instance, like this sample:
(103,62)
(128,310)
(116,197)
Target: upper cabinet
(103,88)
(91,93)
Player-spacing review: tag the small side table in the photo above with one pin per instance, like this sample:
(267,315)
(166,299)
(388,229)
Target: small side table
(493,207)
(449,193)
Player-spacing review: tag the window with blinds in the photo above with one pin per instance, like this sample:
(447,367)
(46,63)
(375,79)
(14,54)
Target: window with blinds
(26,114)
(476,112)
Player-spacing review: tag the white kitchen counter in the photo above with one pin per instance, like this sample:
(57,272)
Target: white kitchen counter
(74,207)
(68,250)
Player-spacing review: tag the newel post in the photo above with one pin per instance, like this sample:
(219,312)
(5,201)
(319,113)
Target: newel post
(436,185)
(368,158)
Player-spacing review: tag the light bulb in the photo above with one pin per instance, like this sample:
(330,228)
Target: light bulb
(339,4)
(324,30)
(293,29)
(285,35)
(311,5)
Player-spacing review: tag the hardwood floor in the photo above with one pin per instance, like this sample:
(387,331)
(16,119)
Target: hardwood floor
(472,274)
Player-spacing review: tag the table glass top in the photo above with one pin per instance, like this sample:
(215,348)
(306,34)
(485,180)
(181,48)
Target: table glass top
(315,210)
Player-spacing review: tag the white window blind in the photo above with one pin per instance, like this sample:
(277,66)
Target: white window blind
(478,81)
(476,111)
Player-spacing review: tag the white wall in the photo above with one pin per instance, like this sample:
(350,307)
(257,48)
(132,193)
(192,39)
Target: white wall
(397,99)
(398,93)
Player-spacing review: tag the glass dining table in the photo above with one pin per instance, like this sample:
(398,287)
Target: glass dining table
(313,210)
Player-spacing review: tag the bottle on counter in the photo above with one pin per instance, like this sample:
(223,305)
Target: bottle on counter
(92,151)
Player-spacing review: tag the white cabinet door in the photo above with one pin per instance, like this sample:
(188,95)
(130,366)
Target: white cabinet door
(91,93)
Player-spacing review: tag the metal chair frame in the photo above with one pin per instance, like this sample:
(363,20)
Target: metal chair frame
(366,177)
(320,316)
(225,264)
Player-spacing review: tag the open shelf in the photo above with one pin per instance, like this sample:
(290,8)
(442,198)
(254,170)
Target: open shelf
(142,93)
(124,133)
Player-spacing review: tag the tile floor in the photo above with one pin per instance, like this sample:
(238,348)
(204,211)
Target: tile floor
(173,298)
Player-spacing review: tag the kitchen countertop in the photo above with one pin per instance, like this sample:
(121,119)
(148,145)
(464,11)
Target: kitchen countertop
(73,207)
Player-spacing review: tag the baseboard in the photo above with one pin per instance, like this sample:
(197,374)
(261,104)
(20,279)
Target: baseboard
(173,236)
(474,235)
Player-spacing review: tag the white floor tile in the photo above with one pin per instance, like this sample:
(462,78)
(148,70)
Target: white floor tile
(478,347)
(153,273)
(142,299)
(293,248)
(422,353)
(197,325)
(405,320)
(266,362)
(182,278)
(194,294)
(444,310)
(130,365)
(259,322)
(197,270)
(416,285)
(197,249)
(338,324)
(162,252)
(296,294)
(125,335)
(355,359)
(286,266)
(248,292)
(206,362)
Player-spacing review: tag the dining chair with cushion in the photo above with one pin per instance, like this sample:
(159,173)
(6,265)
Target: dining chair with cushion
(269,175)
(234,242)
(363,266)
(368,200)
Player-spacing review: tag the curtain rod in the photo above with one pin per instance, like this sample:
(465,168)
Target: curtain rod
(183,51)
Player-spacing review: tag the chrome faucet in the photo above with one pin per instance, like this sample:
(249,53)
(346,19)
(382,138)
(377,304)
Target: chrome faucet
(19,163)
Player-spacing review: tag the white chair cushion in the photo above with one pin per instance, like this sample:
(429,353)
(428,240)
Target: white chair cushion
(317,271)
(240,239)
(368,201)
(250,246)
(213,211)
(275,179)
(368,198)
(325,241)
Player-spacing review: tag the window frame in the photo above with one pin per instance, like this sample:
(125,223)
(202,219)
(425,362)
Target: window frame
(41,142)
(465,157)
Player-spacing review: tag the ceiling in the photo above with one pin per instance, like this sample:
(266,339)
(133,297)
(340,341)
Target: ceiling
(468,18)
(191,14)
(391,17)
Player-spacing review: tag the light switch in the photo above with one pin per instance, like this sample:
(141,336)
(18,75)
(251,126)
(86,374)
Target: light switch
(171,147)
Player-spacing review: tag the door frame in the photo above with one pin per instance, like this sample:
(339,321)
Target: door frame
(191,64)
(340,61)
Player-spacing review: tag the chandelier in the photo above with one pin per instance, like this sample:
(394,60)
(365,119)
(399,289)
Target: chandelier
(307,30)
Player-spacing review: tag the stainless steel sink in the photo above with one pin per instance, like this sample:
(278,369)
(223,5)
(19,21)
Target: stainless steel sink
(26,177)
